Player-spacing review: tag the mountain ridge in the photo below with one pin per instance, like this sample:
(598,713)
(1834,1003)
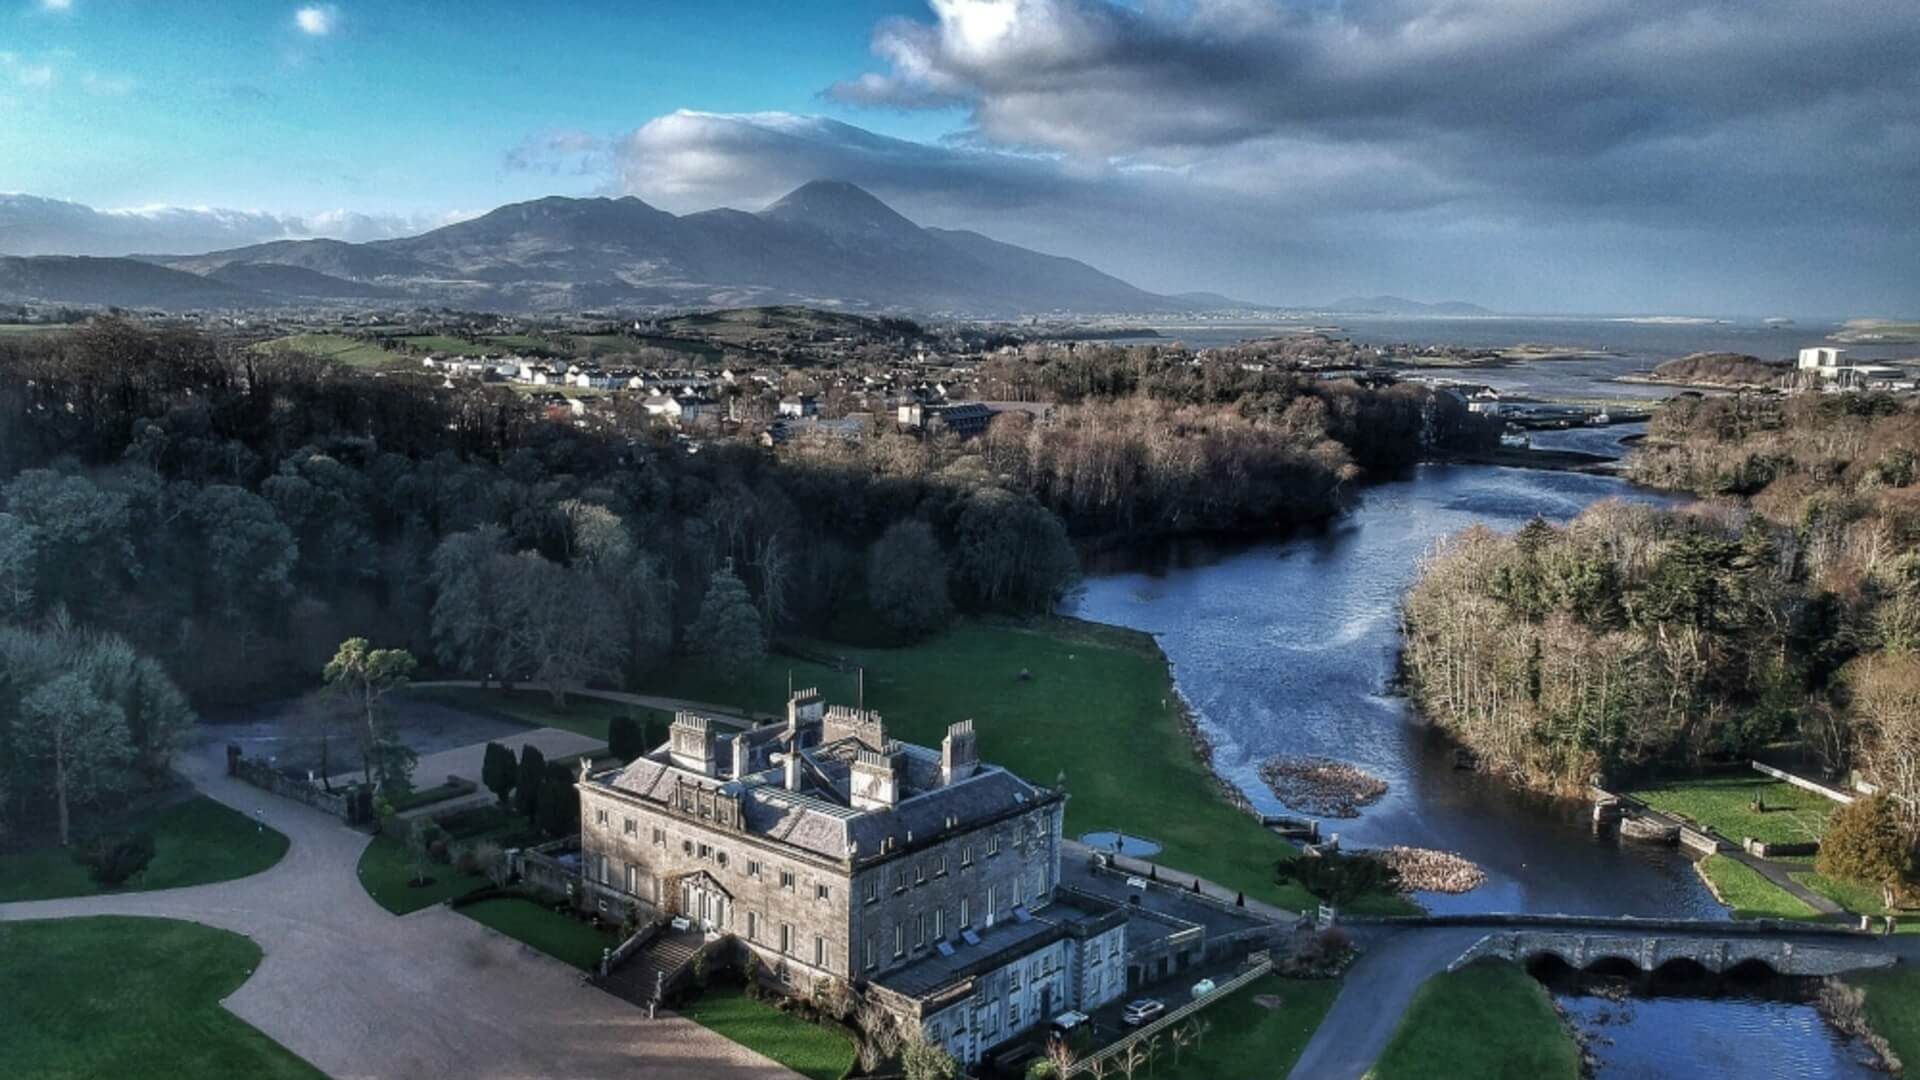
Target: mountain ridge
(827,243)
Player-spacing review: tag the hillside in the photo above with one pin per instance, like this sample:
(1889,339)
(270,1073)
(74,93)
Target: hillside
(827,244)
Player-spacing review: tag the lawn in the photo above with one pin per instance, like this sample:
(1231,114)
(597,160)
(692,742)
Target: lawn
(385,873)
(559,936)
(1792,816)
(1248,1039)
(1893,1008)
(1099,708)
(351,351)
(1859,899)
(111,997)
(1749,894)
(194,842)
(583,715)
(813,1051)
(441,343)
(1488,1020)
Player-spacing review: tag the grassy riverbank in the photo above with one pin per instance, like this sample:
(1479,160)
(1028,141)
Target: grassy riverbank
(194,842)
(1893,1008)
(110,997)
(1096,705)
(1750,895)
(1487,1021)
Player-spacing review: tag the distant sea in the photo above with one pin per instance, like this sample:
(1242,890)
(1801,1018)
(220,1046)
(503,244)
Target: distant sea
(1632,346)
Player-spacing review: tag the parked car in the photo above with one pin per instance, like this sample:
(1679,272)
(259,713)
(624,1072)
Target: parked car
(1139,883)
(1068,1022)
(1203,988)
(1142,1011)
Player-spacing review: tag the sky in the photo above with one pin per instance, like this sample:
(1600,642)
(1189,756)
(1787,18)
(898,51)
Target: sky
(1732,157)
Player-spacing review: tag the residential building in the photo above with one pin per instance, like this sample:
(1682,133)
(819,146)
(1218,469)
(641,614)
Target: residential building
(926,877)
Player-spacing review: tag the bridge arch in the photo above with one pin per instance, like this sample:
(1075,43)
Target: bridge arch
(1752,969)
(1613,964)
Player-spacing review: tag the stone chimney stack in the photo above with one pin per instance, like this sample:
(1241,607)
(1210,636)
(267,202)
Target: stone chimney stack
(691,743)
(742,756)
(804,708)
(959,755)
(876,781)
(792,776)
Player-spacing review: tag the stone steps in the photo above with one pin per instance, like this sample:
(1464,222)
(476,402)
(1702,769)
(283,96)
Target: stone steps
(658,963)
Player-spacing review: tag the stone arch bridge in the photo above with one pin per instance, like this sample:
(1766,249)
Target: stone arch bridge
(1580,949)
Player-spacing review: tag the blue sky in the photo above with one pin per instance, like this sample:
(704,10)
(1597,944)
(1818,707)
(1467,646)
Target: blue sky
(394,107)
(1752,157)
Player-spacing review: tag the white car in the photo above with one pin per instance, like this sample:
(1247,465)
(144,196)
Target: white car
(1139,883)
(1203,988)
(1142,1011)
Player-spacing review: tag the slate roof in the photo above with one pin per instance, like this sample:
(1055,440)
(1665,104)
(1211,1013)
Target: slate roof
(822,825)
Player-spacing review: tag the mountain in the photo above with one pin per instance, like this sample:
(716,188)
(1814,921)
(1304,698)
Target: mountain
(81,279)
(1400,305)
(826,244)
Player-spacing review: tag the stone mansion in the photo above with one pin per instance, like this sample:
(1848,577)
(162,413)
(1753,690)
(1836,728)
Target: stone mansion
(927,878)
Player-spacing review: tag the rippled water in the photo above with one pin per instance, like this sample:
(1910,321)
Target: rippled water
(1291,647)
(1747,1037)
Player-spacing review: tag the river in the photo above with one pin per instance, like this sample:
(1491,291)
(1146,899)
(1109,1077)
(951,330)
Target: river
(1291,646)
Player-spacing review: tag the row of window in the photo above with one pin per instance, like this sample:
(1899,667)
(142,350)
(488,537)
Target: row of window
(706,851)
(921,872)
(821,957)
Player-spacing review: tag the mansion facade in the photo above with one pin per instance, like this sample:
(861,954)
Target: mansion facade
(925,877)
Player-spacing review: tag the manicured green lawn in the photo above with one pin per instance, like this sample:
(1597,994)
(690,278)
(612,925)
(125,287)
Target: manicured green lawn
(816,1052)
(123,997)
(194,842)
(384,873)
(1859,899)
(1248,1039)
(1100,708)
(1792,816)
(1751,895)
(557,935)
(1487,1021)
(584,715)
(1893,1008)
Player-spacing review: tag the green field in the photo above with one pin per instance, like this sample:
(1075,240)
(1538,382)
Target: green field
(1487,1021)
(1893,1008)
(1247,1038)
(1749,893)
(813,1051)
(441,343)
(584,715)
(385,874)
(1858,899)
(351,351)
(122,997)
(1099,708)
(1792,816)
(559,936)
(194,842)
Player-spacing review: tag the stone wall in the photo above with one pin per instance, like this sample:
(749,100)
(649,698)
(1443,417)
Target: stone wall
(340,804)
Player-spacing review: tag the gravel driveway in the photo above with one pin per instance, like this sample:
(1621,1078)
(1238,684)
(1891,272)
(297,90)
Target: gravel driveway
(363,993)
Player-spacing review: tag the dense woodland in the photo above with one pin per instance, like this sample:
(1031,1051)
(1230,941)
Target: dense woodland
(186,521)
(1784,605)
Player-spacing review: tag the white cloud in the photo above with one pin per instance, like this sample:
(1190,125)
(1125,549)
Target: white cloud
(317,20)
(56,5)
(30,225)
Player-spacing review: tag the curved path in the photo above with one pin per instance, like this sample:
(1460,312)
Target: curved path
(360,992)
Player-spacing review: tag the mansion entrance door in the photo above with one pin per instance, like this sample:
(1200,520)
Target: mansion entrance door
(704,904)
